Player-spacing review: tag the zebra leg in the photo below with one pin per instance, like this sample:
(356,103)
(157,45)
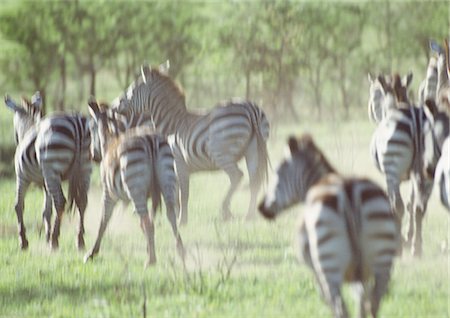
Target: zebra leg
(81,202)
(235,176)
(379,289)
(108,206)
(251,158)
(47,215)
(396,201)
(423,191)
(21,189)
(149,230)
(361,298)
(183,177)
(410,208)
(171,216)
(53,184)
(334,299)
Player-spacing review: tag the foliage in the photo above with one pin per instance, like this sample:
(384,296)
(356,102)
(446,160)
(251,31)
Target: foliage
(293,57)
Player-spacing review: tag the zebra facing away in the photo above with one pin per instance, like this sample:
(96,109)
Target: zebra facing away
(397,149)
(376,107)
(442,174)
(348,232)
(50,150)
(135,165)
(436,155)
(216,140)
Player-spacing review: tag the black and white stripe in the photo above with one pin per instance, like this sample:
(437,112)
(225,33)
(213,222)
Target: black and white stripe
(136,165)
(211,141)
(378,108)
(348,233)
(54,149)
(442,174)
(397,149)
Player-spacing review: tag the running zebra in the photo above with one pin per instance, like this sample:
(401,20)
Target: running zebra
(50,150)
(203,142)
(397,148)
(348,232)
(376,106)
(442,174)
(428,87)
(443,73)
(136,165)
(436,155)
(117,124)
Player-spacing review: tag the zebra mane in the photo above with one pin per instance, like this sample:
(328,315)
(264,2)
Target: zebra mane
(156,76)
(309,149)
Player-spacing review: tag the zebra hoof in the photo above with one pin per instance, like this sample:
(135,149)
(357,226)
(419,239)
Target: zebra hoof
(80,245)
(250,216)
(150,263)
(54,245)
(227,216)
(88,257)
(24,244)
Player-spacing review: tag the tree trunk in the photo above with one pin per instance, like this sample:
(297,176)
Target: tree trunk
(247,84)
(62,66)
(92,74)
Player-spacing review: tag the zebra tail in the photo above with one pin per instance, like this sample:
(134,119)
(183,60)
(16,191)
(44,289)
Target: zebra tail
(75,187)
(155,188)
(263,156)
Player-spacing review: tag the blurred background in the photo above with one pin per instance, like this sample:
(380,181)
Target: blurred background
(299,60)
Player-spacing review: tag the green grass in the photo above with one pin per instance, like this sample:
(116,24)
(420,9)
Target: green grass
(266,280)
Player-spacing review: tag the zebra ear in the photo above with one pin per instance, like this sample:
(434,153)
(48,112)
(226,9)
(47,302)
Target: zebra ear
(370,78)
(407,79)
(436,47)
(94,110)
(12,105)
(164,68)
(293,145)
(36,100)
(145,72)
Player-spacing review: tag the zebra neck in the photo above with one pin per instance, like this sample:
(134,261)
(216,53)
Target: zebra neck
(315,174)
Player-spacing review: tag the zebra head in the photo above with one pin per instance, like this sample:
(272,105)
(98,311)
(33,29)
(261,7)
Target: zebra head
(436,130)
(303,165)
(139,91)
(99,129)
(26,116)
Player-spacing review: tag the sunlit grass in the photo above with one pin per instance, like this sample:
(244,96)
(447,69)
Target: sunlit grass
(266,279)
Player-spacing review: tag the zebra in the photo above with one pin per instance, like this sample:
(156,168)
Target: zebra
(376,105)
(135,165)
(442,174)
(436,153)
(203,142)
(443,74)
(49,150)
(117,124)
(348,232)
(428,87)
(397,148)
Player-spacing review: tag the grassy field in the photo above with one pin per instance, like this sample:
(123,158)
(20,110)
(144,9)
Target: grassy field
(234,269)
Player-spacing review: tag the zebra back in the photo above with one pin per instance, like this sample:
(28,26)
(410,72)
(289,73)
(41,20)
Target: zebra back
(62,148)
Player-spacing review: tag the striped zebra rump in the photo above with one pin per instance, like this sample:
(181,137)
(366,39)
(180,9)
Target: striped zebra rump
(62,147)
(132,167)
(352,228)
(443,174)
(348,230)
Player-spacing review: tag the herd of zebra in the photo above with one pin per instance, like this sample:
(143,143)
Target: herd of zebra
(148,143)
